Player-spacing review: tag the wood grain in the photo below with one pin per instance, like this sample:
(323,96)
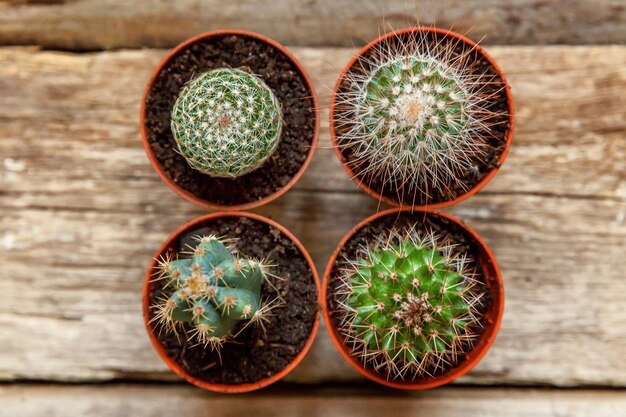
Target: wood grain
(81,213)
(160,401)
(106,24)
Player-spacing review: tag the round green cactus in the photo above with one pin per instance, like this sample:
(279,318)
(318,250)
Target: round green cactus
(226,122)
(212,292)
(416,107)
(416,116)
(410,306)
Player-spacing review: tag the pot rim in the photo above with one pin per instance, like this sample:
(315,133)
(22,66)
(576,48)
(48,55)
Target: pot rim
(187,195)
(459,38)
(218,387)
(492,322)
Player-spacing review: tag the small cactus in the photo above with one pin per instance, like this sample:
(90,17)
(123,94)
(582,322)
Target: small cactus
(212,292)
(226,122)
(416,115)
(409,305)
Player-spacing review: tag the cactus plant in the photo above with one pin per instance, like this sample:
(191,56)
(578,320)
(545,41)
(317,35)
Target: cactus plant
(410,304)
(226,122)
(211,292)
(416,115)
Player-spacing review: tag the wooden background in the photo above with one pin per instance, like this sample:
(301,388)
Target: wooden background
(81,210)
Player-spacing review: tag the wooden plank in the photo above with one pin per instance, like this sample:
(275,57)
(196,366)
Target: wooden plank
(106,24)
(81,212)
(156,401)
(71,307)
(569,115)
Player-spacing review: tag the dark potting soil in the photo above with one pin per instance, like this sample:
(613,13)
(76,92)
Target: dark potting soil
(425,221)
(278,72)
(400,190)
(255,354)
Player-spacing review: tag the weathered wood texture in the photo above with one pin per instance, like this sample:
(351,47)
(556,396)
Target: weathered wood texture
(105,24)
(157,401)
(81,212)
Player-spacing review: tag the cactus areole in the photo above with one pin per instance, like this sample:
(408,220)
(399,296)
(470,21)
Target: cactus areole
(421,116)
(410,298)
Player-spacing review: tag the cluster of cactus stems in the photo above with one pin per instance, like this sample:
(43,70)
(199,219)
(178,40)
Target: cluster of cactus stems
(210,293)
(416,114)
(409,305)
(226,122)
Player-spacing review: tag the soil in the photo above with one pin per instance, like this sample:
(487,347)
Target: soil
(400,190)
(380,227)
(255,354)
(278,72)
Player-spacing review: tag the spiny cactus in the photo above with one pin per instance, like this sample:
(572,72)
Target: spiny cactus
(226,122)
(410,305)
(211,292)
(415,112)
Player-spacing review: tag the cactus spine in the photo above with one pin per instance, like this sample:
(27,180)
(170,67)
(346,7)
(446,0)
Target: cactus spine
(409,305)
(416,115)
(226,122)
(211,293)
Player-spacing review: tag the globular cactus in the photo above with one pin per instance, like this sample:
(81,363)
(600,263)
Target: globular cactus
(416,115)
(226,122)
(410,305)
(211,293)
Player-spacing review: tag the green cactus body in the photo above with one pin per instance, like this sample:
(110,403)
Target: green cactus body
(415,109)
(226,122)
(212,292)
(411,307)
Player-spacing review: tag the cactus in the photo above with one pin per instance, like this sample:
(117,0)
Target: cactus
(211,293)
(416,115)
(410,305)
(226,122)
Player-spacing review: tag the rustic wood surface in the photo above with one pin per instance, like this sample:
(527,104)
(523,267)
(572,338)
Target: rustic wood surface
(105,24)
(179,400)
(81,213)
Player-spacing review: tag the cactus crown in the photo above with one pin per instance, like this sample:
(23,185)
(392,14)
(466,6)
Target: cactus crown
(409,305)
(416,115)
(211,292)
(226,122)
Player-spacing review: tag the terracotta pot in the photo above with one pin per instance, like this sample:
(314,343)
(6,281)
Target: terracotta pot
(456,38)
(148,284)
(157,166)
(493,317)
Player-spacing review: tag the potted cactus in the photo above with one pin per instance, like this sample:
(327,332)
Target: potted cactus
(412,300)
(229,120)
(230,302)
(421,117)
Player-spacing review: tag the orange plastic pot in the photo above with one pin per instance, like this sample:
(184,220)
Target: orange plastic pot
(456,38)
(157,166)
(149,284)
(493,317)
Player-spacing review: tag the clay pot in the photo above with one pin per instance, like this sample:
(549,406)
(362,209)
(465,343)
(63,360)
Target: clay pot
(170,245)
(491,321)
(455,38)
(188,195)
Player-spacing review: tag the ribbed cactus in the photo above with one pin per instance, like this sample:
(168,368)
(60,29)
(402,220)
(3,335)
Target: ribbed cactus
(226,122)
(409,305)
(211,292)
(415,115)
